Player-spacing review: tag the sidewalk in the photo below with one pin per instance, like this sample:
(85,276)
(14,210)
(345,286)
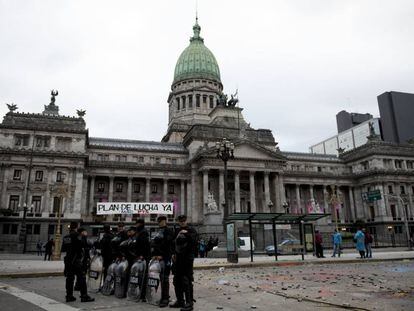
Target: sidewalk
(30,265)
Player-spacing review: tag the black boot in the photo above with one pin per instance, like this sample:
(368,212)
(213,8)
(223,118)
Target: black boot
(177,304)
(87,299)
(165,291)
(189,306)
(70,298)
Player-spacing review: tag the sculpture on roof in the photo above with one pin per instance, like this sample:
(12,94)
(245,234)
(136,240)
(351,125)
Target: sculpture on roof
(234,100)
(54,93)
(12,107)
(371,129)
(81,113)
(222,99)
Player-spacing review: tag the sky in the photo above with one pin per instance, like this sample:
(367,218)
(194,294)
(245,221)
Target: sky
(295,63)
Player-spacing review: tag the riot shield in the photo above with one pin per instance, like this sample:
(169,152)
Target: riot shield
(136,280)
(95,273)
(153,291)
(109,282)
(121,279)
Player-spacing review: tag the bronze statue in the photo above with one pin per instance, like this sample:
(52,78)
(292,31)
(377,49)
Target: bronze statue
(81,113)
(234,100)
(12,107)
(54,93)
(371,129)
(222,99)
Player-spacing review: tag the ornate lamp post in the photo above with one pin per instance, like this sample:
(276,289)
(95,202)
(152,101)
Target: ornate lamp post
(61,192)
(225,151)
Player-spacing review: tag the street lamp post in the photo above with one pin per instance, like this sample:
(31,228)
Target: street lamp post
(61,191)
(225,152)
(401,206)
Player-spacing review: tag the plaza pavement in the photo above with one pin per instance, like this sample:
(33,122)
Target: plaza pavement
(31,265)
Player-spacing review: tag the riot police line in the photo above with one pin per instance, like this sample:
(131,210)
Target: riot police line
(131,265)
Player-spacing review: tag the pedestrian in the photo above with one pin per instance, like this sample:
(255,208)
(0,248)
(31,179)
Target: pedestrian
(337,242)
(74,246)
(318,244)
(368,244)
(359,239)
(183,261)
(49,249)
(39,246)
(202,248)
(161,249)
(106,249)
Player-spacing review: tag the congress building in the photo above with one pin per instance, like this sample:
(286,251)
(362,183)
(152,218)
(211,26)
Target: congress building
(50,164)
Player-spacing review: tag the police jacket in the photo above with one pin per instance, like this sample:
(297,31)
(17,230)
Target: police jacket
(162,244)
(142,243)
(85,253)
(105,246)
(185,244)
(72,246)
(115,243)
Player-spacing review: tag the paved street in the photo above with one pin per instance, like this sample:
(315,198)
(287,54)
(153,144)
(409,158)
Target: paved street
(358,286)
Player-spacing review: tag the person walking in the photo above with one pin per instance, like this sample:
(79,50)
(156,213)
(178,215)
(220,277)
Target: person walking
(202,248)
(74,260)
(106,249)
(49,249)
(39,246)
(359,239)
(337,241)
(368,244)
(161,249)
(183,261)
(318,244)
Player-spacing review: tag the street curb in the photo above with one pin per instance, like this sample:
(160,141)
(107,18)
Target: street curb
(216,266)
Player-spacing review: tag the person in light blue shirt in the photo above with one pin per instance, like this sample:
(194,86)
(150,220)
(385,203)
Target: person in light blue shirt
(337,241)
(359,239)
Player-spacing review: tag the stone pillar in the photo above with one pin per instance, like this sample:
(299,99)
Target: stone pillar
(91,195)
(221,191)
(266,192)
(252,193)
(205,189)
(129,190)
(181,208)
(78,184)
(165,190)
(341,209)
(298,205)
(194,206)
(325,200)
(189,200)
(381,203)
(311,198)
(111,189)
(282,194)
(147,189)
(351,204)
(5,176)
(237,190)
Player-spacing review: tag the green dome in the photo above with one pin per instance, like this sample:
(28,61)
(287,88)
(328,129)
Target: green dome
(196,61)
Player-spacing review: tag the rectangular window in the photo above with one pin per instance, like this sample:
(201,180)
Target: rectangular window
(6,228)
(398,229)
(173,161)
(14,203)
(60,177)
(119,187)
(372,212)
(37,203)
(171,189)
(183,98)
(154,188)
(204,99)
(157,160)
(101,187)
(211,102)
(198,101)
(178,103)
(29,228)
(36,229)
(398,164)
(51,229)
(39,176)
(137,188)
(190,101)
(17,175)
(319,169)
(14,228)
(21,140)
(390,190)
(56,205)
(393,212)
(402,189)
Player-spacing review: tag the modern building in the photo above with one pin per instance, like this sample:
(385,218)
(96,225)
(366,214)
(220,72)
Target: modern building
(50,165)
(397,113)
(347,120)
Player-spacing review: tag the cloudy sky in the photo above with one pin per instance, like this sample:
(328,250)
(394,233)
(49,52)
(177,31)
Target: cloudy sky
(296,63)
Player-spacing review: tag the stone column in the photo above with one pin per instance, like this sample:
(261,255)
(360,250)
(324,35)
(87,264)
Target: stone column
(351,204)
(252,193)
(3,201)
(325,199)
(129,190)
(194,206)
(267,192)
(78,184)
(189,200)
(381,203)
(341,209)
(147,189)
(165,190)
(181,208)
(221,190)
(111,189)
(237,190)
(282,195)
(311,198)
(298,205)
(205,189)
(91,194)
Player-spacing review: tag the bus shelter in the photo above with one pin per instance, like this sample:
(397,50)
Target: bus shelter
(304,222)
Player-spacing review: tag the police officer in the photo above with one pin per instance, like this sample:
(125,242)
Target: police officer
(75,249)
(142,248)
(106,250)
(183,260)
(161,249)
(117,240)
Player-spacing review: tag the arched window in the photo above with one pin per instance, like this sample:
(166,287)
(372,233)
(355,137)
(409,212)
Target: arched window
(211,102)
(178,103)
(183,103)
(190,101)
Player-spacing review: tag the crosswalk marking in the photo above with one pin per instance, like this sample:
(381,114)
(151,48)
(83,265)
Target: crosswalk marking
(36,299)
